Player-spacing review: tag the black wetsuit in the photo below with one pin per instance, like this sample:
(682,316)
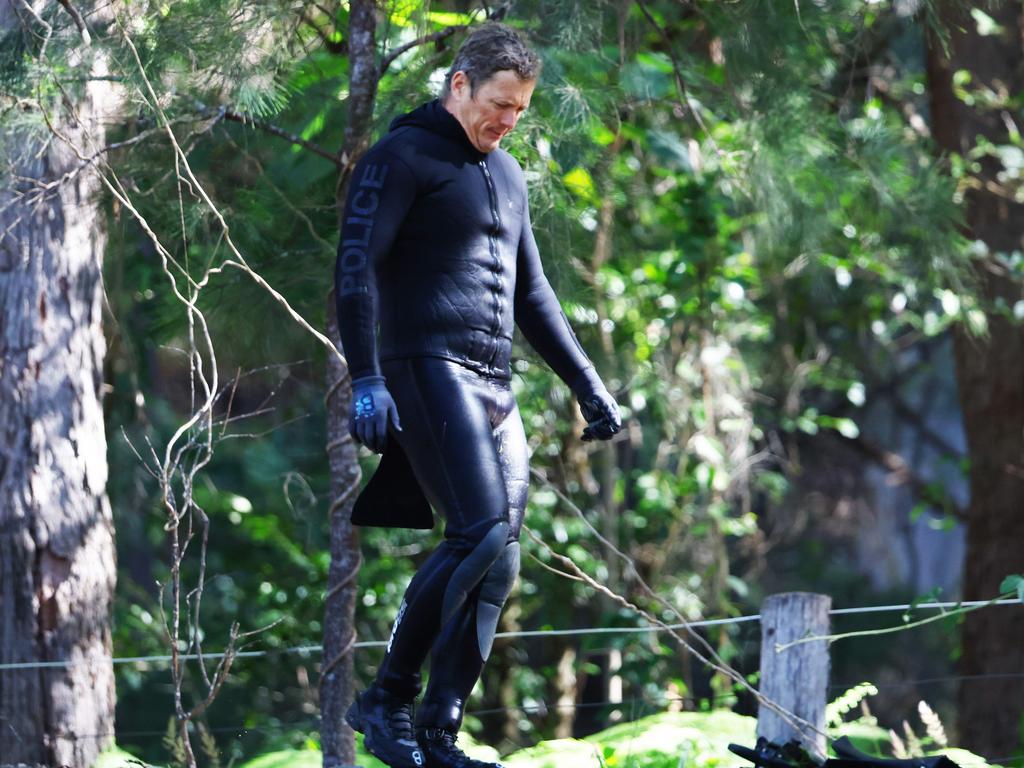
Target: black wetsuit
(436,258)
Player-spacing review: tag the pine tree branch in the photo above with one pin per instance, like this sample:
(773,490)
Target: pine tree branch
(224,113)
(435,37)
(329,248)
(339,47)
(913,117)
(495,14)
(325,11)
(684,95)
(42,190)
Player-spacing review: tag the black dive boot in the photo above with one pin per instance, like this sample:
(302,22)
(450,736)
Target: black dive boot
(437,724)
(439,748)
(385,721)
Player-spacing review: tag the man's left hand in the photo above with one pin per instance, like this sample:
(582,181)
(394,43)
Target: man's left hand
(602,415)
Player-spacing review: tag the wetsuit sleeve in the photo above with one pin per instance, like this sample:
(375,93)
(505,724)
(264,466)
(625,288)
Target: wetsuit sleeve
(542,321)
(379,197)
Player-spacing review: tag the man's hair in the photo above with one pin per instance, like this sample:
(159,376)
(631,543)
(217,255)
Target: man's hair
(492,48)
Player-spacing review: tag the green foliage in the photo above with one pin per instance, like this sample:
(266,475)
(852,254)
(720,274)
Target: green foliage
(655,741)
(115,757)
(174,746)
(224,52)
(1014,583)
(208,745)
(836,710)
(305,758)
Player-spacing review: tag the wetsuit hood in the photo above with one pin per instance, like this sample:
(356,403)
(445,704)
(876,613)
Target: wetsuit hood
(433,117)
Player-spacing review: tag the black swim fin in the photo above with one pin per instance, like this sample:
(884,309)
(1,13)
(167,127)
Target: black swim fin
(393,497)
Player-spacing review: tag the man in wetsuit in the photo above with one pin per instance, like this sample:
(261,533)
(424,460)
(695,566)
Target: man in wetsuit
(437,256)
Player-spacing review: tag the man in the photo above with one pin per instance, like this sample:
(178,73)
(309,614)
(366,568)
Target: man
(436,258)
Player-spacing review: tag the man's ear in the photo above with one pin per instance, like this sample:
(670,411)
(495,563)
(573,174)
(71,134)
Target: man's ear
(460,84)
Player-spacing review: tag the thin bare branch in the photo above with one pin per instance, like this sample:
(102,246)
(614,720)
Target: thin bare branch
(329,248)
(434,37)
(79,21)
(333,45)
(226,113)
(798,723)
(685,102)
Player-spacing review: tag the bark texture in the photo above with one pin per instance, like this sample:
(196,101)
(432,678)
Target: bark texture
(990,375)
(796,678)
(337,682)
(57,565)
(336,675)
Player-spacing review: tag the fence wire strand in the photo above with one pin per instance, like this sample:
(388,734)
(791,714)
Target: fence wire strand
(309,649)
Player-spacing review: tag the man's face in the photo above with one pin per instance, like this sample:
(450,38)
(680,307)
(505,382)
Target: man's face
(491,111)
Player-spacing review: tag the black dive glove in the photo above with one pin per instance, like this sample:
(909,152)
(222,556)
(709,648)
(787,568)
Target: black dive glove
(602,415)
(372,407)
(597,406)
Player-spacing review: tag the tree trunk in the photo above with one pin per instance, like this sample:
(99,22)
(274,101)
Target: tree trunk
(990,374)
(57,565)
(337,739)
(336,682)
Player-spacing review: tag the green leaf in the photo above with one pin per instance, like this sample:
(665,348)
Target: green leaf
(579,181)
(450,18)
(986,24)
(1014,583)
(669,148)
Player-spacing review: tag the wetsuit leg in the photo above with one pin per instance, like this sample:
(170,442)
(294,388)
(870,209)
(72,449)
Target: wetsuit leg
(464,643)
(447,414)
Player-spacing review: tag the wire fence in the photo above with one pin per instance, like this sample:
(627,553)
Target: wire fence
(639,706)
(697,624)
(931,680)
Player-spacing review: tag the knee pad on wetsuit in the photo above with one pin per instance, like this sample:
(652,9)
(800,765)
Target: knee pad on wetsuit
(472,569)
(494,591)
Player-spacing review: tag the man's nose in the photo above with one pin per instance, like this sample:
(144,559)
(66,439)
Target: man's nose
(509,118)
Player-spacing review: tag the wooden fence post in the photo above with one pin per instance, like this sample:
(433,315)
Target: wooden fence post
(795,678)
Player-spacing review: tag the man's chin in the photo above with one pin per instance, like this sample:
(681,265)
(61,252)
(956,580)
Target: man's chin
(489,142)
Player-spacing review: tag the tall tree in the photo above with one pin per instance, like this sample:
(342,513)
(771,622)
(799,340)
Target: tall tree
(976,87)
(57,565)
(365,68)
(339,620)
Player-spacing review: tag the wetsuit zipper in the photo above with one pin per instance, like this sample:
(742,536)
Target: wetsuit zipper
(493,195)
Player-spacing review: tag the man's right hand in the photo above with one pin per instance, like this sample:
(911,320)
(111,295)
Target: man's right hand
(372,408)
